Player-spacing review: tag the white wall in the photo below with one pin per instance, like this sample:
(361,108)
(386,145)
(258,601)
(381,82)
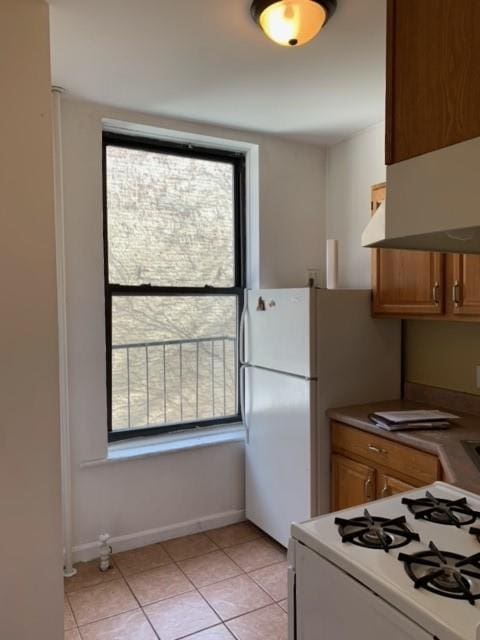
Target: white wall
(31,591)
(203,485)
(353,166)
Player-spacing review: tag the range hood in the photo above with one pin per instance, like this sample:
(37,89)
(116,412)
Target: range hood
(433,203)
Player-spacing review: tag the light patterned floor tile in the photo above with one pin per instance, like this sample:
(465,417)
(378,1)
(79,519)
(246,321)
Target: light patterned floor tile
(143,559)
(256,554)
(180,616)
(284,605)
(270,623)
(234,534)
(127,626)
(102,601)
(158,584)
(72,634)
(235,596)
(68,619)
(88,575)
(189,546)
(214,633)
(210,568)
(273,580)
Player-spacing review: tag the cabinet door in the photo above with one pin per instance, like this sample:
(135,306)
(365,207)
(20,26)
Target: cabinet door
(433,84)
(405,282)
(465,285)
(389,486)
(353,483)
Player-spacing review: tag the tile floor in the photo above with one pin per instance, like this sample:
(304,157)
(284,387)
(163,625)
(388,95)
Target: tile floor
(225,584)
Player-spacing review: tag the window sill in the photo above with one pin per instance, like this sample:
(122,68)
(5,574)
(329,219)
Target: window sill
(170,443)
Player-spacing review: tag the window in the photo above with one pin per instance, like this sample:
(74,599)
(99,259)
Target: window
(174,278)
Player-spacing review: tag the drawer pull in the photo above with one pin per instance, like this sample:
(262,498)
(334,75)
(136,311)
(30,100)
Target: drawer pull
(456,293)
(368,486)
(372,447)
(435,290)
(385,491)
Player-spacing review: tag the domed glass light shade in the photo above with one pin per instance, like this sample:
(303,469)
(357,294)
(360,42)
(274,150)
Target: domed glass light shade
(292,23)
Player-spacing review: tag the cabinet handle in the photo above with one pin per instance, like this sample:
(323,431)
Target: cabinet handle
(367,487)
(385,489)
(372,447)
(435,289)
(456,293)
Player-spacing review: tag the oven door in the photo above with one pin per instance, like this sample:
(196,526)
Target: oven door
(331,605)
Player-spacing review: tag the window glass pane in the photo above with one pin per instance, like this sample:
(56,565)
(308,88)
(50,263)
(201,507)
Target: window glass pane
(173,359)
(170,219)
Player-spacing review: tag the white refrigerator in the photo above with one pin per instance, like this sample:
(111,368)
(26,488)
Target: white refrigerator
(303,351)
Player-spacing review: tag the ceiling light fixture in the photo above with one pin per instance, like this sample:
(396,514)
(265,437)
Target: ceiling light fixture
(292,23)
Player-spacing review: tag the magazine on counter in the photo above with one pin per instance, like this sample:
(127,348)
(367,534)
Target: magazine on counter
(418,419)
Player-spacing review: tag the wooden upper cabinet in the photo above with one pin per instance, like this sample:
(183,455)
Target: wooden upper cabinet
(464,278)
(433,75)
(406,282)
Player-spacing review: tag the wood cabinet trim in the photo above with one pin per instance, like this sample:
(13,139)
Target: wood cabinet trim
(390,93)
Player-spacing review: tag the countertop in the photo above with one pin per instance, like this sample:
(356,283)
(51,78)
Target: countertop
(458,467)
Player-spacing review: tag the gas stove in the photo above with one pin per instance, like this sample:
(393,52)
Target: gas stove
(419,552)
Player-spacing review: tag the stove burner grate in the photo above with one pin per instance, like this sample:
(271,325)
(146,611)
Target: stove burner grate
(376,533)
(475,531)
(442,511)
(444,573)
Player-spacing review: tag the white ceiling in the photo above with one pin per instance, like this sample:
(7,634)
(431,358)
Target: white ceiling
(206,60)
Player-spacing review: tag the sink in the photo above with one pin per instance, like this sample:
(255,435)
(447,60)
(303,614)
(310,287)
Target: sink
(472,447)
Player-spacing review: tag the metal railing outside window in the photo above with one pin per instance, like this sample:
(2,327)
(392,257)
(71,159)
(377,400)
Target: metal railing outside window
(170,389)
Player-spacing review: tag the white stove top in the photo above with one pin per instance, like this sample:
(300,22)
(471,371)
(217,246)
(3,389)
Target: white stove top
(383,573)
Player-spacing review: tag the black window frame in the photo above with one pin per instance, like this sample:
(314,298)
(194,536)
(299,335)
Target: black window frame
(238,161)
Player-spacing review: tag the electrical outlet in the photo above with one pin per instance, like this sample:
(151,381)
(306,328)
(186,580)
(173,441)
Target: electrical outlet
(477,376)
(313,275)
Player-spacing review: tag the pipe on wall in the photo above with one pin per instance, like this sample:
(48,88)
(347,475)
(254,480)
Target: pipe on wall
(68,569)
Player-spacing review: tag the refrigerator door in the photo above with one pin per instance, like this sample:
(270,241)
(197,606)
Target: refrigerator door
(279,325)
(278,415)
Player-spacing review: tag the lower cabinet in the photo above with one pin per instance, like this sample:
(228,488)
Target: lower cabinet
(352,483)
(367,467)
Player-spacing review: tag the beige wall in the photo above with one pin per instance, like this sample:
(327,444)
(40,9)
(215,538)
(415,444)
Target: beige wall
(31,601)
(443,354)
(353,166)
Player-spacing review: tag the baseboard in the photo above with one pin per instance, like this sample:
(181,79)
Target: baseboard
(89,551)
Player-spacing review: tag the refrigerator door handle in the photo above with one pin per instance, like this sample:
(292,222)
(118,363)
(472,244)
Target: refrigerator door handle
(242,403)
(241,334)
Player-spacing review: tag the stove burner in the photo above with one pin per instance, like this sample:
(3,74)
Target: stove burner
(376,533)
(442,511)
(444,573)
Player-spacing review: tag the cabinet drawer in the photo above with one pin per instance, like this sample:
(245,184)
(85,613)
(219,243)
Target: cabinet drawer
(382,452)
